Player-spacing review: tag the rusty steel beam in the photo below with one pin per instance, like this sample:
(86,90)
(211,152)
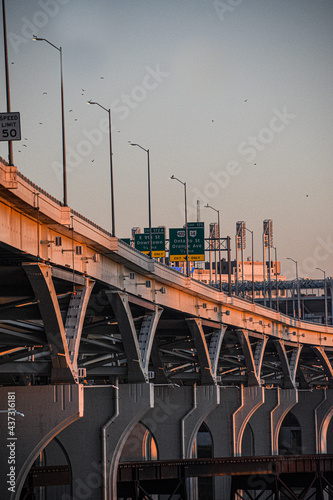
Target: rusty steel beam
(225,466)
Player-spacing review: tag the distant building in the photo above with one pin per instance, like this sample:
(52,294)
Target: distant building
(241,273)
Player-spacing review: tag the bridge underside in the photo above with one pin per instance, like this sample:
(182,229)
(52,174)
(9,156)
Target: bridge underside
(99,362)
(119,336)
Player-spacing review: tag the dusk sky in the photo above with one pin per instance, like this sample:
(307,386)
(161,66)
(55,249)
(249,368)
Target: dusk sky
(235,98)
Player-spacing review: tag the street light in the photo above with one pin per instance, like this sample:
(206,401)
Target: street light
(10,144)
(218,223)
(325,293)
(249,230)
(276,280)
(15,411)
(298,297)
(186,234)
(149,200)
(113,229)
(35,38)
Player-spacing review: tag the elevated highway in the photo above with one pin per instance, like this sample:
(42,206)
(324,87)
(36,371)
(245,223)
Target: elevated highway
(80,308)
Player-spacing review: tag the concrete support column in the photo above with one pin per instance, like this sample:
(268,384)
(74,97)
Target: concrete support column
(251,399)
(134,400)
(205,400)
(313,414)
(286,399)
(47,411)
(323,415)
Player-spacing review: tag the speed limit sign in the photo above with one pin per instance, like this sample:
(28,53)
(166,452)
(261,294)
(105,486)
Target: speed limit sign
(10,127)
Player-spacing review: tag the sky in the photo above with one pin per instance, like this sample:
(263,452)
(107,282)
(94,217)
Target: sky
(235,98)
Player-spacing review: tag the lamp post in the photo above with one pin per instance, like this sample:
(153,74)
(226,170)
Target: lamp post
(325,296)
(218,223)
(113,229)
(10,145)
(15,411)
(149,200)
(276,281)
(35,38)
(249,230)
(186,233)
(297,282)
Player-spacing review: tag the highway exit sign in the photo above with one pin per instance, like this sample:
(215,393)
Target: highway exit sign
(141,241)
(196,243)
(10,127)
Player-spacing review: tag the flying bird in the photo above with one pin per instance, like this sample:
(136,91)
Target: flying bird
(44,93)
(102,77)
(245,100)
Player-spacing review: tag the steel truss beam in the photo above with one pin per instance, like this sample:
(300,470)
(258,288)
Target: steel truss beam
(288,366)
(63,348)
(137,346)
(253,361)
(75,318)
(327,366)
(208,356)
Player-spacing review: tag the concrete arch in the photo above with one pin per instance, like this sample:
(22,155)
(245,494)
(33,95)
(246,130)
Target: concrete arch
(207,429)
(248,441)
(133,401)
(205,485)
(47,411)
(323,416)
(251,399)
(34,455)
(286,399)
(330,437)
(141,444)
(205,400)
(55,453)
(323,432)
(291,447)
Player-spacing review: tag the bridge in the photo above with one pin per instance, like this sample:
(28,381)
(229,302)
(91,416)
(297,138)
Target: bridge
(108,356)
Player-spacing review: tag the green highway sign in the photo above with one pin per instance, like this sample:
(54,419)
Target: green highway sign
(141,241)
(196,243)
(155,230)
(126,240)
(196,224)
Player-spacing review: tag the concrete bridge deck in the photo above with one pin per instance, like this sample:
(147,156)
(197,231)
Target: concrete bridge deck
(89,324)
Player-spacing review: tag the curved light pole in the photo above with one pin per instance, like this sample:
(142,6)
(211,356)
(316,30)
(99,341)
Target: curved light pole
(35,38)
(186,233)
(113,229)
(149,200)
(325,296)
(15,411)
(249,230)
(297,282)
(218,223)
